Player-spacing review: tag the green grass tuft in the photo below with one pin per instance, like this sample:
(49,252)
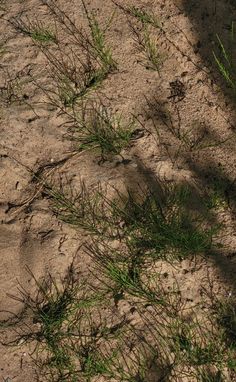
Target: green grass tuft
(98,41)
(35,29)
(225,62)
(226,316)
(43,35)
(148,45)
(167,230)
(99,129)
(143,16)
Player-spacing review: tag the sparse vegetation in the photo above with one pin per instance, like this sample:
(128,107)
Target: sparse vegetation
(98,41)
(226,316)
(157,226)
(77,71)
(134,309)
(140,14)
(43,36)
(35,29)
(97,128)
(148,45)
(225,62)
(2,50)
(146,42)
(165,229)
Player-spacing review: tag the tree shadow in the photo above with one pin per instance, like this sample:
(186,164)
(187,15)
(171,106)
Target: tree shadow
(215,183)
(223,259)
(212,18)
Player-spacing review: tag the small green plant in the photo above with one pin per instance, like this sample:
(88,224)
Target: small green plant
(102,51)
(99,129)
(71,90)
(218,190)
(43,35)
(152,51)
(225,62)
(67,92)
(140,14)
(148,45)
(143,16)
(36,30)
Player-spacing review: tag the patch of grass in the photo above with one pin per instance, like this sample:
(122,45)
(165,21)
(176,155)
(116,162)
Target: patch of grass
(226,317)
(196,345)
(51,309)
(192,348)
(99,129)
(67,91)
(75,342)
(219,187)
(96,364)
(143,16)
(195,139)
(225,62)
(86,209)
(35,29)
(147,44)
(79,338)
(231,363)
(102,51)
(124,273)
(71,91)
(52,305)
(43,35)
(151,227)
(62,325)
(77,70)
(152,51)
(3,50)
(143,37)
(140,14)
(208,376)
(75,76)
(165,230)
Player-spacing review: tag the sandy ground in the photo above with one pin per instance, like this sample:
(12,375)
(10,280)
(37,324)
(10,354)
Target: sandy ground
(32,136)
